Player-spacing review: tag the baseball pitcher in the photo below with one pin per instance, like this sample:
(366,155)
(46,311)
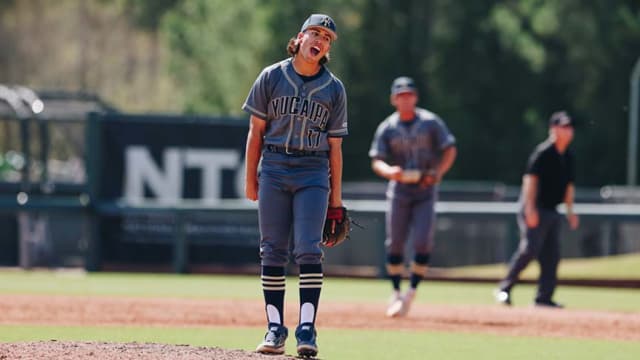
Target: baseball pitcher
(298,114)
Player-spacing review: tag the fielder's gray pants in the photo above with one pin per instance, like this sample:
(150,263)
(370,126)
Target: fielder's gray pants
(413,216)
(541,243)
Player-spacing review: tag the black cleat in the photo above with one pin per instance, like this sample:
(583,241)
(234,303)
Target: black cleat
(548,304)
(502,297)
(306,337)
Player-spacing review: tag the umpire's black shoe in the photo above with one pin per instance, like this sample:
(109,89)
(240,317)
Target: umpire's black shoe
(306,337)
(502,297)
(548,304)
(274,340)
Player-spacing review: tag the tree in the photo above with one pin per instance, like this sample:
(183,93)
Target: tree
(148,14)
(493,69)
(578,53)
(216,48)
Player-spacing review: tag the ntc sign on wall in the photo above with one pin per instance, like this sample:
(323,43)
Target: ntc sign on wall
(169,158)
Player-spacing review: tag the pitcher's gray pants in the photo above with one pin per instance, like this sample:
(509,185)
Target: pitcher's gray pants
(293,197)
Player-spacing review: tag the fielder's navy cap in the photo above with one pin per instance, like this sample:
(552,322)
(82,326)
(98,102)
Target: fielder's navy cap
(403,84)
(322,21)
(560,118)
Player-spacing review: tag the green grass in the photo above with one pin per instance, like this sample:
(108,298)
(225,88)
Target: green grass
(124,284)
(349,344)
(334,289)
(615,267)
(334,343)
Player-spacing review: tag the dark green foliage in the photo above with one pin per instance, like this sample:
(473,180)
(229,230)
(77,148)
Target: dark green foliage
(148,14)
(494,70)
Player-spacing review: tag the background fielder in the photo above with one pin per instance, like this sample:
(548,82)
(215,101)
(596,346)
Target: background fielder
(298,118)
(413,149)
(548,181)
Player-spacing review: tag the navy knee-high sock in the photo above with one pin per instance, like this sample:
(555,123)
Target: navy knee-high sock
(395,268)
(310,286)
(419,269)
(273,286)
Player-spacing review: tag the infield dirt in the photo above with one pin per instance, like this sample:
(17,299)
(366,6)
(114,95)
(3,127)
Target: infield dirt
(100,311)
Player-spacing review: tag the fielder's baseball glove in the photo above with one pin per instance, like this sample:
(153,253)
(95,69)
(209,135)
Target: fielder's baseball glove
(336,227)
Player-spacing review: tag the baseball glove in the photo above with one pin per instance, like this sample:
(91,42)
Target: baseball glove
(336,227)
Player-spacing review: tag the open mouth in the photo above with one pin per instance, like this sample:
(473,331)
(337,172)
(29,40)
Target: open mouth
(314,50)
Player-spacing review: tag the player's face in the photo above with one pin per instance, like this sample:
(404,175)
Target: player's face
(314,44)
(405,102)
(563,133)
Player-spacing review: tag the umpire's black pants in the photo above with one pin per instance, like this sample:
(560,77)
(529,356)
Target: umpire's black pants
(541,242)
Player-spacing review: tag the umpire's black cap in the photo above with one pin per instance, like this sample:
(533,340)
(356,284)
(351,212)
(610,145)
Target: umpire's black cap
(403,84)
(321,21)
(561,118)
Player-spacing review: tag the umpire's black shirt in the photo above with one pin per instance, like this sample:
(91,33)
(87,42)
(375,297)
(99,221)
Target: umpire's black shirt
(554,171)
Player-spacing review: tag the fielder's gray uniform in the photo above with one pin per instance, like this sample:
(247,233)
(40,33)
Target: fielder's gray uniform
(301,113)
(417,144)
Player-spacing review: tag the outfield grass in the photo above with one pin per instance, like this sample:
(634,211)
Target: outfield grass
(611,267)
(334,289)
(334,343)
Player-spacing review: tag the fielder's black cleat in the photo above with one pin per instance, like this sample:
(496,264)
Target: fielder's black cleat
(502,297)
(274,340)
(306,337)
(548,304)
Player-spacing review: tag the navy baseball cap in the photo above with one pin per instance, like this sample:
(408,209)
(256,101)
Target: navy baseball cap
(403,84)
(321,21)
(560,118)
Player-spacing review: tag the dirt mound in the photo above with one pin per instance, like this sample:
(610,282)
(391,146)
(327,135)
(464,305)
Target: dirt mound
(67,350)
(115,311)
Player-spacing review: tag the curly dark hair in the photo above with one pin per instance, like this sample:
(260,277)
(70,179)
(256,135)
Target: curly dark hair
(293,47)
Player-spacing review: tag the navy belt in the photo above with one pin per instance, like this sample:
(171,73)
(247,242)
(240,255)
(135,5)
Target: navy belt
(293,152)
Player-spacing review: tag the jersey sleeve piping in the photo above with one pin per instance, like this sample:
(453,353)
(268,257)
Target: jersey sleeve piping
(343,130)
(254,111)
(338,133)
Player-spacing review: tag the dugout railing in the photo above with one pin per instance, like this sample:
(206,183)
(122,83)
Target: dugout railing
(468,233)
(223,236)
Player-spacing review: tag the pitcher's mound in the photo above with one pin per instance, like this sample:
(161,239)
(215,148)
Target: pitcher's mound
(71,350)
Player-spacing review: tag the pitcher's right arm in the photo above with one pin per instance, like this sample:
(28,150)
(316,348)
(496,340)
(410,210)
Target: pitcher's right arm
(253,152)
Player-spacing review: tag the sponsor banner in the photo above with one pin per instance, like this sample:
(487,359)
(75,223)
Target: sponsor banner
(166,160)
(170,158)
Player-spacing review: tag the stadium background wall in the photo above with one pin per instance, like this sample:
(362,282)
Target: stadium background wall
(163,193)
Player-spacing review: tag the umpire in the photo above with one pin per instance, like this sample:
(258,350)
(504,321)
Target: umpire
(548,181)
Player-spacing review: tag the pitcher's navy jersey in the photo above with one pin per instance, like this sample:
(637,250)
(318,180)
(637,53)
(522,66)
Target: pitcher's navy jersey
(417,144)
(300,115)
